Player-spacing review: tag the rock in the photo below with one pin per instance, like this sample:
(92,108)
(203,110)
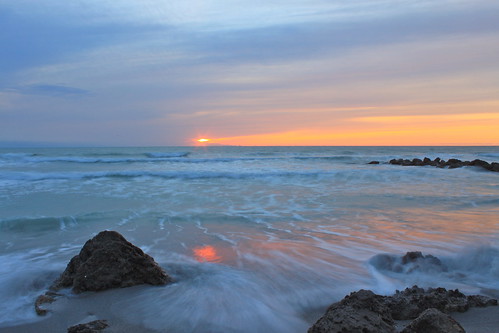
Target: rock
(481,301)
(109,261)
(481,163)
(373,162)
(361,311)
(95,326)
(439,163)
(364,311)
(411,302)
(433,321)
(409,263)
(417,161)
(43,299)
(454,163)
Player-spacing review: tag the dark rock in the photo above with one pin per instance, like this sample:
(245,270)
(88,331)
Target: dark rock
(433,321)
(43,299)
(411,302)
(454,163)
(364,311)
(417,162)
(439,163)
(109,261)
(95,326)
(409,263)
(481,163)
(481,301)
(412,257)
(361,311)
(373,162)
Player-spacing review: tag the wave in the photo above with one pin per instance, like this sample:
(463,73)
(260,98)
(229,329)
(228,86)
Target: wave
(160,158)
(93,158)
(473,268)
(490,155)
(37,224)
(167,155)
(37,176)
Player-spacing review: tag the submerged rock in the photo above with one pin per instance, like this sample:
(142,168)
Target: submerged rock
(433,321)
(409,263)
(43,299)
(95,326)
(109,261)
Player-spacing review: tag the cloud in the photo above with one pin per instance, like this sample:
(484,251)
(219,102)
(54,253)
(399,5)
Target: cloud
(235,66)
(48,90)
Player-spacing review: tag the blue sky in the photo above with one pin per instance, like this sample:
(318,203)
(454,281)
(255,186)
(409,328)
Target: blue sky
(157,72)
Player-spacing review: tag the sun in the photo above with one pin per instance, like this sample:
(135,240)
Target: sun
(203,140)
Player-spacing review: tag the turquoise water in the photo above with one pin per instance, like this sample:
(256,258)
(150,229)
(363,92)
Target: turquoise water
(256,237)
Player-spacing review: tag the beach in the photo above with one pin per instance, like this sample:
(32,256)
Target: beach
(256,238)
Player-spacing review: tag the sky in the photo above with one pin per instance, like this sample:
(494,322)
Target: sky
(241,72)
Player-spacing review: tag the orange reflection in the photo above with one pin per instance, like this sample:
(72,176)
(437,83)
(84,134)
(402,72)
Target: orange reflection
(206,253)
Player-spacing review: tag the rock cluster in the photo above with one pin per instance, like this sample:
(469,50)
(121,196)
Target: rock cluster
(437,162)
(364,311)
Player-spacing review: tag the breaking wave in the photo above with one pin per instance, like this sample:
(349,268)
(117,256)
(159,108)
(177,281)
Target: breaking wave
(475,269)
(37,176)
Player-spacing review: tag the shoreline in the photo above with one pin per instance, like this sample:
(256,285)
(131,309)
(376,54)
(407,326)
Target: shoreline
(68,311)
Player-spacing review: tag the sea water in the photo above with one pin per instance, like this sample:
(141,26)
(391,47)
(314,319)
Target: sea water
(258,239)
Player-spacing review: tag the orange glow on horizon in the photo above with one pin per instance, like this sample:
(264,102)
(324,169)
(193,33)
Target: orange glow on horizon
(400,130)
(206,253)
(203,140)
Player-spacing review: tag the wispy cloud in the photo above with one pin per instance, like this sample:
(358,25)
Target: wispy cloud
(238,67)
(47,90)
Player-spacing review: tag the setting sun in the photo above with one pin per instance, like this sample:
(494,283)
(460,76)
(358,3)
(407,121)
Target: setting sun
(203,140)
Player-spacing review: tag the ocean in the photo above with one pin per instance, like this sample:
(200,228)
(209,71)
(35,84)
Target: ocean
(258,239)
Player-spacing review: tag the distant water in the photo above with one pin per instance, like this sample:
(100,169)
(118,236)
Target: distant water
(256,237)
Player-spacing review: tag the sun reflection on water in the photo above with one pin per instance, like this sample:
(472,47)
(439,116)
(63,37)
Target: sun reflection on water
(206,253)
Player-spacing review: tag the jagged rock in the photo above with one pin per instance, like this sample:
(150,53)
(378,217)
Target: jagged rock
(95,326)
(109,261)
(480,301)
(433,321)
(361,311)
(411,302)
(364,311)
